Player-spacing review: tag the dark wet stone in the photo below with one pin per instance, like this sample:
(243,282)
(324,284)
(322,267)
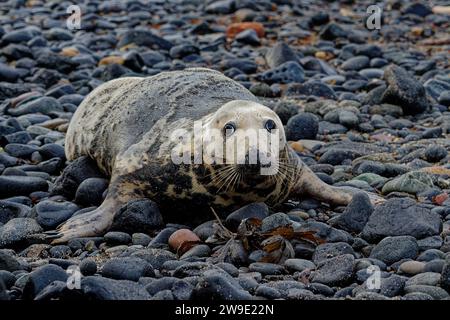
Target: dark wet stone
(356,214)
(17,230)
(117,238)
(20,150)
(444,98)
(331,250)
(279,54)
(60,252)
(42,277)
(144,38)
(419,9)
(90,192)
(140,215)
(287,72)
(88,267)
(156,257)
(10,210)
(245,65)
(76,172)
(100,288)
(8,262)
(254,210)
(274,221)
(49,214)
(162,237)
(311,88)
(404,90)
(21,137)
(331,31)
(129,268)
(8,73)
(302,126)
(248,36)
(337,271)
(7,278)
(140,239)
(221,7)
(435,292)
(393,249)
(44,105)
(267,268)
(402,216)
(182,50)
(436,87)
(435,153)
(356,63)
(216,286)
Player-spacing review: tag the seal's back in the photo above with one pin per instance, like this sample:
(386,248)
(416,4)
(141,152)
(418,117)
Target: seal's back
(118,113)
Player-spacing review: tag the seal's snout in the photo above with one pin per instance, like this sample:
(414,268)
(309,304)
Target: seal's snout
(253,162)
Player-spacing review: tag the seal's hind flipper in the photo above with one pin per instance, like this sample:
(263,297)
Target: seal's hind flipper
(88,224)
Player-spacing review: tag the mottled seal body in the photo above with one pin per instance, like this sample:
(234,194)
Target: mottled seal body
(125,126)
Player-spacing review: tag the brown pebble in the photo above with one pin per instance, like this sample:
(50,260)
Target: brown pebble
(182,240)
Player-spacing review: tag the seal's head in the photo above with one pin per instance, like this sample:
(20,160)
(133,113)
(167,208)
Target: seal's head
(245,139)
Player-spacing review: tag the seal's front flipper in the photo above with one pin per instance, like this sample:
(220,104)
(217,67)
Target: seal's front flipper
(89,224)
(311,184)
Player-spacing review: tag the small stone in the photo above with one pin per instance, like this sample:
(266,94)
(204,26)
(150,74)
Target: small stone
(302,126)
(182,240)
(356,63)
(10,210)
(183,50)
(287,72)
(76,172)
(435,153)
(90,192)
(404,90)
(412,267)
(156,257)
(117,238)
(129,268)
(16,231)
(393,249)
(330,250)
(356,214)
(337,271)
(274,221)
(44,105)
(426,278)
(50,214)
(348,119)
(8,262)
(219,287)
(100,288)
(266,268)
(412,182)
(402,216)
(88,267)
(248,36)
(257,210)
(435,292)
(299,265)
(331,31)
(310,88)
(141,215)
(21,185)
(140,239)
(42,277)
(280,54)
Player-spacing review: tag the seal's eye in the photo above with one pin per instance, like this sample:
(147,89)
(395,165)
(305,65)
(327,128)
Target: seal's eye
(229,129)
(270,125)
